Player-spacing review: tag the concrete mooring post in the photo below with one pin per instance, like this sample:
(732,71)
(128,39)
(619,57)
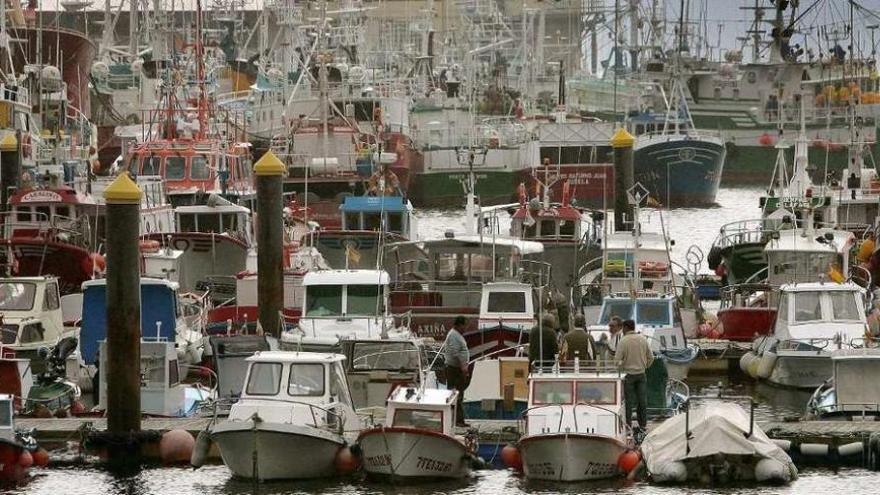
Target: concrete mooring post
(269,171)
(622,142)
(123,308)
(10,166)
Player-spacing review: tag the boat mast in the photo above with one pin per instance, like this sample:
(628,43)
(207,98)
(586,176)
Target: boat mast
(132,29)
(200,73)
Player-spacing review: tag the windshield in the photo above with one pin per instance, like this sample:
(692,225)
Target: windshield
(264,379)
(385,356)
(175,167)
(199,169)
(306,380)
(807,306)
(150,165)
(364,300)
(552,392)
(622,308)
(507,302)
(596,393)
(652,313)
(17,296)
(844,306)
(421,419)
(324,300)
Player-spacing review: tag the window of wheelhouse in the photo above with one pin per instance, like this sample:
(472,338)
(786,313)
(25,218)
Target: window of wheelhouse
(63,211)
(264,379)
(209,222)
(567,229)
(43,213)
(548,228)
(151,165)
(230,222)
(175,167)
(596,392)
(186,222)
(395,222)
(419,418)
(199,168)
(552,392)
(23,213)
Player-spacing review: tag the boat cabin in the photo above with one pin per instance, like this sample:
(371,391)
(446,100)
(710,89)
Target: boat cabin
(580,399)
(229,355)
(343,303)
(61,211)
(509,304)
(475,259)
(31,313)
(392,214)
(160,310)
(656,317)
(314,383)
(217,217)
(375,367)
(534,221)
(849,393)
(821,315)
(422,409)
(807,255)
(637,262)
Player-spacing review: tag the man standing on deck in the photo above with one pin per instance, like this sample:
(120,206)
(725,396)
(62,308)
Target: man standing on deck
(633,358)
(578,343)
(543,345)
(456,355)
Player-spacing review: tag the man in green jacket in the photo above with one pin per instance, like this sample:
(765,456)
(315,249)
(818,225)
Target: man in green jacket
(633,358)
(542,340)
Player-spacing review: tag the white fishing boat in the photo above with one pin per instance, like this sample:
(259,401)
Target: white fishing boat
(813,320)
(574,428)
(715,442)
(418,440)
(847,395)
(293,419)
(32,316)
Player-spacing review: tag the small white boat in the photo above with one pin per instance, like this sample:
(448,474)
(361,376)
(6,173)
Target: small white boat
(714,442)
(417,442)
(847,395)
(574,428)
(293,420)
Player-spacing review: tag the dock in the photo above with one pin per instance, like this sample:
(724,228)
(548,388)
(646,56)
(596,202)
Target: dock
(718,356)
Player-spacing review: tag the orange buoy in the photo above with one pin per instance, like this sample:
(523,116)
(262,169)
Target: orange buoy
(765,140)
(25,459)
(149,246)
(628,460)
(176,446)
(512,457)
(346,461)
(77,407)
(41,457)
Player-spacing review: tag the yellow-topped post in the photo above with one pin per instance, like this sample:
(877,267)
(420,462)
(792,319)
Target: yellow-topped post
(123,348)
(10,166)
(622,142)
(269,171)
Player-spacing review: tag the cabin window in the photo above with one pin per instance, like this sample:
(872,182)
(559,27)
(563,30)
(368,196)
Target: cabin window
(530,229)
(23,213)
(264,379)
(175,167)
(187,223)
(353,221)
(506,302)
(338,387)
(596,393)
(230,222)
(622,308)
(566,229)
(150,165)
(548,228)
(199,168)
(552,393)
(652,312)
(395,223)
(43,213)
(423,420)
(323,300)
(173,373)
(17,296)
(31,333)
(843,305)
(807,306)
(63,210)
(209,222)
(372,221)
(364,300)
(306,380)
(51,301)
(6,414)
(385,356)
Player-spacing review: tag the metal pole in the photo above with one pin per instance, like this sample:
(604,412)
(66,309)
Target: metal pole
(269,171)
(622,142)
(123,307)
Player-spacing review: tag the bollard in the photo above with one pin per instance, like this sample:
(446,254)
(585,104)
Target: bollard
(270,266)
(123,308)
(622,142)
(10,167)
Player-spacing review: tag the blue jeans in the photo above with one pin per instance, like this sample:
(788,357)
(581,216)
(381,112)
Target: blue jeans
(635,389)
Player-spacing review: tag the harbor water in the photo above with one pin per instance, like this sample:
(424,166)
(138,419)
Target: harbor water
(687,226)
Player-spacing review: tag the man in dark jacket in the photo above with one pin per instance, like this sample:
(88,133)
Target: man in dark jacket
(578,343)
(542,340)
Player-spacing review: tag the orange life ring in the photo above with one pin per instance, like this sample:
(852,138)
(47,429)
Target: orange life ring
(148,246)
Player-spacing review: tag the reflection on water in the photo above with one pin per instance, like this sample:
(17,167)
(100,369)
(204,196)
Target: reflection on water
(686,226)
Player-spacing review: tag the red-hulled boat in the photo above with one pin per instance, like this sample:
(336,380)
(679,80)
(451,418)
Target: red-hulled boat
(747,311)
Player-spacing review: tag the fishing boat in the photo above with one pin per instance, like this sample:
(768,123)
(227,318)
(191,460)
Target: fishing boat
(813,320)
(418,440)
(747,311)
(17,448)
(574,428)
(715,443)
(294,406)
(376,367)
(848,395)
(32,315)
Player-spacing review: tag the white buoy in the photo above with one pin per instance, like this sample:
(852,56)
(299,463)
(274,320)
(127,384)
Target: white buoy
(766,365)
(673,472)
(771,470)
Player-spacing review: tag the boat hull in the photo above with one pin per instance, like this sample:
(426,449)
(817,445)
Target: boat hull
(570,457)
(591,185)
(495,340)
(806,370)
(445,189)
(412,454)
(743,261)
(743,324)
(276,450)
(680,172)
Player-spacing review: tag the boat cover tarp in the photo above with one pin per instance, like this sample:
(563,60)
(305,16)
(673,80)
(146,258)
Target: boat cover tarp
(158,303)
(715,428)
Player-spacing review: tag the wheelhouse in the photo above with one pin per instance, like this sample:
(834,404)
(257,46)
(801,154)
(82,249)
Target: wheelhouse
(821,313)
(423,409)
(31,309)
(555,223)
(509,304)
(345,293)
(214,219)
(391,214)
(38,210)
(312,378)
(805,255)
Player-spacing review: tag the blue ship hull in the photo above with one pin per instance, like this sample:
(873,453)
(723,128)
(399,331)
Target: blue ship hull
(680,172)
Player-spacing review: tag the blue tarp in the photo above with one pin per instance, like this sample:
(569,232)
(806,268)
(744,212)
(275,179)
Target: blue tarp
(158,303)
(373,204)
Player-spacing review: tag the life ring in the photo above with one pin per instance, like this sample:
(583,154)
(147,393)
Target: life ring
(180,244)
(148,246)
(653,267)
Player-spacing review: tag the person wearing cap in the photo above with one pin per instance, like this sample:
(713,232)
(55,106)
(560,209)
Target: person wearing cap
(577,342)
(456,355)
(633,358)
(543,345)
